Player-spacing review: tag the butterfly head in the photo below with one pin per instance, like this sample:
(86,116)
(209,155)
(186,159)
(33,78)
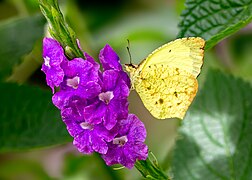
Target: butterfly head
(131,69)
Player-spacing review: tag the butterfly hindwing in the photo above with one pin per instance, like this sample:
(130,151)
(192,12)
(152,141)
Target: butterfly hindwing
(166,92)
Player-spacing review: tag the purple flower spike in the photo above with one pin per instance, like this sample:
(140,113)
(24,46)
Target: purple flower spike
(54,57)
(128,146)
(94,104)
(109,59)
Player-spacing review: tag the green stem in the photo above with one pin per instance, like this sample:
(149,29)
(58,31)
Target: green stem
(150,170)
(59,29)
(78,22)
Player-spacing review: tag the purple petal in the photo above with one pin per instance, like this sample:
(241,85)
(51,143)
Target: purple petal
(54,57)
(99,145)
(109,59)
(128,146)
(112,156)
(94,113)
(81,68)
(112,81)
(126,78)
(73,126)
(81,79)
(137,131)
(79,45)
(60,99)
(90,90)
(110,78)
(72,115)
(109,118)
(119,107)
(132,153)
(107,135)
(83,143)
(53,50)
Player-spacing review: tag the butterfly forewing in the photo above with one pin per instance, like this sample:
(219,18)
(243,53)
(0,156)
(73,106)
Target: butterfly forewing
(185,53)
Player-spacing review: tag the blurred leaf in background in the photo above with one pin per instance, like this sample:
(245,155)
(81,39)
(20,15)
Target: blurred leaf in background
(18,36)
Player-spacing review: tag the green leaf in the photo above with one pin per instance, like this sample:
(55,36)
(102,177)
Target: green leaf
(18,37)
(28,118)
(214,20)
(23,167)
(215,139)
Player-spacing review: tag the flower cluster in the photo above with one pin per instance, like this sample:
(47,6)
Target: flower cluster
(94,105)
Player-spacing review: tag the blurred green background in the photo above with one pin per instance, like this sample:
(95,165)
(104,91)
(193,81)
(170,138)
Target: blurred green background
(147,25)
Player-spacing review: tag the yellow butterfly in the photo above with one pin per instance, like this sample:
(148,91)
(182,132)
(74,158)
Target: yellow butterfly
(166,80)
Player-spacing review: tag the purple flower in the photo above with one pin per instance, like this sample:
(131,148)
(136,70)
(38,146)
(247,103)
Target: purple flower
(111,104)
(54,57)
(88,138)
(81,78)
(110,61)
(128,146)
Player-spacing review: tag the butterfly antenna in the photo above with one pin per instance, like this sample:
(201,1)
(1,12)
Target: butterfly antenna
(128,49)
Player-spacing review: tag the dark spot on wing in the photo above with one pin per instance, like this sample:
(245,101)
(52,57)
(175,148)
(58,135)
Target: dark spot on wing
(170,50)
(156,102)
(161,101)
(179,103)
(176,94)
(149,88)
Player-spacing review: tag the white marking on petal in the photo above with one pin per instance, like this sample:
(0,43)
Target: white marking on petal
(106,96)
(121,141)
(74,82)
(47,61)
(85,125)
